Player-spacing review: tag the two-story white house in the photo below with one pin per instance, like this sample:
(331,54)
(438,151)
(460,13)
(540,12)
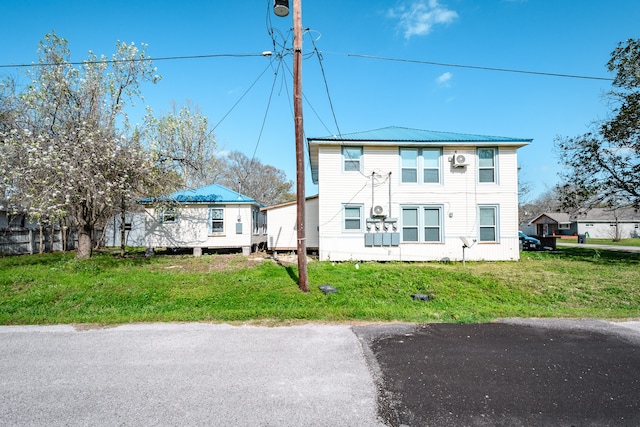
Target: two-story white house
(400,194)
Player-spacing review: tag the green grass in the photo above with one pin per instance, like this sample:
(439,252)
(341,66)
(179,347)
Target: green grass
(621,242)
(56,288)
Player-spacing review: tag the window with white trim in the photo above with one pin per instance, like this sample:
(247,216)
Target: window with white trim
(352,217)
(431,165)
(169,215)
(409,164)
(216,220)
(488,223)
(352,159)
(421,224)
(487,164)
(426,160)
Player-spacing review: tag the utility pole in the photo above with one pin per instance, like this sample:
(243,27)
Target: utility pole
(281,9)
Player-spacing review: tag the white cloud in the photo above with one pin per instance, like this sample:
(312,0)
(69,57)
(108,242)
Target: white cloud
(418,17)
(443,80)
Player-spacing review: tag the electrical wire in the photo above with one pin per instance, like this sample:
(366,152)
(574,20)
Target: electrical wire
(115,61)
(243,95)
(264,120)
(326,86)
(475,67)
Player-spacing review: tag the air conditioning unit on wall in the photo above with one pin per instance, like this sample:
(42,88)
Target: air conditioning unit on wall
(459,160)
(380,211)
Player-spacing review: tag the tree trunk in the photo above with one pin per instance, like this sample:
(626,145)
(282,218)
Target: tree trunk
(41,244)
(85,245)
(123,217)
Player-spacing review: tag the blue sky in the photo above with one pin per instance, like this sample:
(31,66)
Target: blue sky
(547,36)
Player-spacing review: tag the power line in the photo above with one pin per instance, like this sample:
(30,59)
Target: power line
(475,67)
(326,85)
(115,61)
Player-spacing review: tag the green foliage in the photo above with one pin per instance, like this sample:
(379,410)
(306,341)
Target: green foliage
(106,289)
(603,166)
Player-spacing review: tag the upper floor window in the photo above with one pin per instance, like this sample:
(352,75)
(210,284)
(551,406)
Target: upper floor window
(352,217)
(488,220)
(409,160)
(216,220)
(426,160)
(487,165)
(352,157)
(431,165)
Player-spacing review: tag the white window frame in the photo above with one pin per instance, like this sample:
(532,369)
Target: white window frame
(425,168)
(415,168)
(348,159)
(420,166)
(345,218)
(210,220)
(495,226)
(493,167)
(168,215)
(421,226)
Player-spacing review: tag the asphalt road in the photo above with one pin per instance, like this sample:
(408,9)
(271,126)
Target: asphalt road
(515,373)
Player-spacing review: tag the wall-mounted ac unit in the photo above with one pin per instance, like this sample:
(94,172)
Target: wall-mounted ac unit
(380,211)
(459,160)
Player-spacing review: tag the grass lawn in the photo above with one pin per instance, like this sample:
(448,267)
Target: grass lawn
(56,288)
(621,242)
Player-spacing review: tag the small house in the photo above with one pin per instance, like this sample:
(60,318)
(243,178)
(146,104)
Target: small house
(282,229)
(212,217)
(603,223)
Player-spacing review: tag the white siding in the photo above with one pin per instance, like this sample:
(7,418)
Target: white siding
(281,226)
(459,193)
(191,229)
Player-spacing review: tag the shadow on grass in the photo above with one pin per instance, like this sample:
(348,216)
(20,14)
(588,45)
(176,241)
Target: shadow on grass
(290,271)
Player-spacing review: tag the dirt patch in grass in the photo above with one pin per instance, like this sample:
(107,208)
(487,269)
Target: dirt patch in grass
(209,263)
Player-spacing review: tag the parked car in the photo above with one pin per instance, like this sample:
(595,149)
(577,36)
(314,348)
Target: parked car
(529,243)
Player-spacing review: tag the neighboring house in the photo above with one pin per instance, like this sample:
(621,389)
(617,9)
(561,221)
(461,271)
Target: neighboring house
(209,217)
(282,231)
(603,223)
(399,194)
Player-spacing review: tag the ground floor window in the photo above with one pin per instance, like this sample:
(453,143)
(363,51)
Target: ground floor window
(352,218)
(216,220)
(422,224)
(488,220)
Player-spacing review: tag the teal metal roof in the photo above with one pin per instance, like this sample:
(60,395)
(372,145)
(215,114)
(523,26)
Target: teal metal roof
(396,136)
(401,134)
(214,193)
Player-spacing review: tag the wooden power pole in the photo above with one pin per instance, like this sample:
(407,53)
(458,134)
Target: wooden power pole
(281,8)
(299,130)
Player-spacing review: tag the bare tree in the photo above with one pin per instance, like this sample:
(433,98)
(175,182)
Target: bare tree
(264,183)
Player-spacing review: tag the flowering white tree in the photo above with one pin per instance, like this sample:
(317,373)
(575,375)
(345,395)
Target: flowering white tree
(182,143)
(69,156)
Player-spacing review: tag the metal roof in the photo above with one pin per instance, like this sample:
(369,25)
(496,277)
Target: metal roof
(213,193)
(402,134)
(396,136)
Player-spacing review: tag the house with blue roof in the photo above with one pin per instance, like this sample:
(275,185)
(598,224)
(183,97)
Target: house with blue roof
(402,194)
(212,217)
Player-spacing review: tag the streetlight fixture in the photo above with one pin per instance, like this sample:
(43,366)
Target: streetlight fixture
(281,8)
